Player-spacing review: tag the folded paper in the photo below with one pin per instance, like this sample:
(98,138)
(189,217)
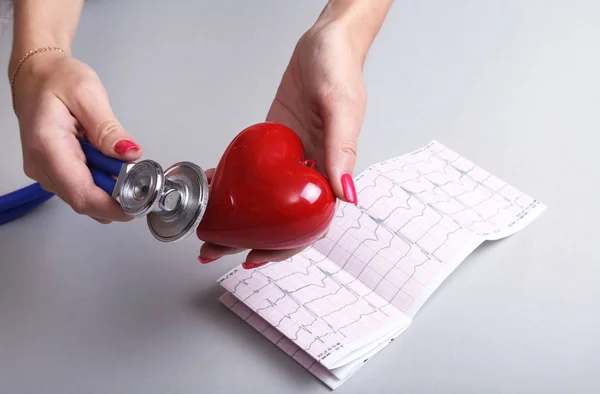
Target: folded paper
(341,301)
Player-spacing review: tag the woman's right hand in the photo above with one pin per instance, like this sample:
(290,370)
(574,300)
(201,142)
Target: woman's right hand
(58,98)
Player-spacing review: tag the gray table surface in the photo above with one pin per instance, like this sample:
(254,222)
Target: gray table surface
(512,85)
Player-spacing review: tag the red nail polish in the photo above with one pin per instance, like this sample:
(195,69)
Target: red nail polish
(209,179)
(249,266)
(349,189)
(124,146)
(204,260)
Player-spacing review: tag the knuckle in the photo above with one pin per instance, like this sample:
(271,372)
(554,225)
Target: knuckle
(124,218)
(47,186)
(348,148)
(83,90)
(32,169)
(28,170)
(79,206)
(353,96)
(35,150)
(328,93)
(78,202)
(341,94)
(106,130)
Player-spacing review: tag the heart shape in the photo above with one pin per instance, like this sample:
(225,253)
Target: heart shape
(265,195)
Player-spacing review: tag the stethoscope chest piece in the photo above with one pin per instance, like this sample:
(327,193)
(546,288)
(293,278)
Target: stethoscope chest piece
(139,187)
(173,201)
(182,204)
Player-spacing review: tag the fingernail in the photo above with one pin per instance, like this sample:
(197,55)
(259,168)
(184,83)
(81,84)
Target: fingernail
(349,189)
(204,260)
(249,266)
(209,179)
(124,146)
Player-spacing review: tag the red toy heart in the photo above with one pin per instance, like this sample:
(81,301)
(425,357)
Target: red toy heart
(265,195)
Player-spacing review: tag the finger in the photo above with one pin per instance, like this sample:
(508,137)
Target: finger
(342,122)
(211,252)
(33,169)
(73,181)
(102,221)
(209,174)
(90,105)
(47,184)
(257,258)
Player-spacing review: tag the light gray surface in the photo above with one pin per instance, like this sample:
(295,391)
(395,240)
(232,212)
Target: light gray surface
(512,85)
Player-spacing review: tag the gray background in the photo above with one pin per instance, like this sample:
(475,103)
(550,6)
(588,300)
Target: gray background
(512,85)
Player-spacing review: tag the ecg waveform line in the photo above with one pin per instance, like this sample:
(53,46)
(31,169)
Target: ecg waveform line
(278,339)
(419,215)
(313,307)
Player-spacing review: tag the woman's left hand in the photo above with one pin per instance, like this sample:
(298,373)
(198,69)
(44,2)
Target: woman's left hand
(322,98)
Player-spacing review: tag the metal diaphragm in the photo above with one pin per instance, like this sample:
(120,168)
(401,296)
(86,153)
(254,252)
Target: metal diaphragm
(139,187)
(183,202)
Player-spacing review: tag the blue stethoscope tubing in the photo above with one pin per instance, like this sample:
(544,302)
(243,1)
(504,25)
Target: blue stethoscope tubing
(20,202)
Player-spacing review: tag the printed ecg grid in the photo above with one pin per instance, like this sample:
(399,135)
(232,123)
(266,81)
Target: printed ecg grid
(342,300)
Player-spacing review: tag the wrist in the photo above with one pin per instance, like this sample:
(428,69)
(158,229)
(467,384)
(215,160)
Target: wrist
(359,20)
(31,70)
(22,46)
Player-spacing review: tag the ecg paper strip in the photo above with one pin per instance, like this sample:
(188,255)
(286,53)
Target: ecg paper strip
(285,344)
(346,297)
(333,378)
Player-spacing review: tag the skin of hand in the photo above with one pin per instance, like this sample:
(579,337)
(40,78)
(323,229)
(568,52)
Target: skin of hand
(322,98)
(58,98)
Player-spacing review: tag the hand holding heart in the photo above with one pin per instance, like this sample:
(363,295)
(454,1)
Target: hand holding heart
(322,99)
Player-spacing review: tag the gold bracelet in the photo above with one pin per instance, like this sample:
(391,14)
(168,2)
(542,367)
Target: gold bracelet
(27,56)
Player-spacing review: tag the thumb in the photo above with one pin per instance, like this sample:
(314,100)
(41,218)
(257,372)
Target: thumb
(341,140)
(92,109)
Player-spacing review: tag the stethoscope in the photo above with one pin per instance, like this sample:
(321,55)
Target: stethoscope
(173,201)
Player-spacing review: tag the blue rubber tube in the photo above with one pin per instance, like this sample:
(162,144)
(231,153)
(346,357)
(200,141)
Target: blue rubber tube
(103,181)
(96,159)
(23,209)
(22,196)
(20,202)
